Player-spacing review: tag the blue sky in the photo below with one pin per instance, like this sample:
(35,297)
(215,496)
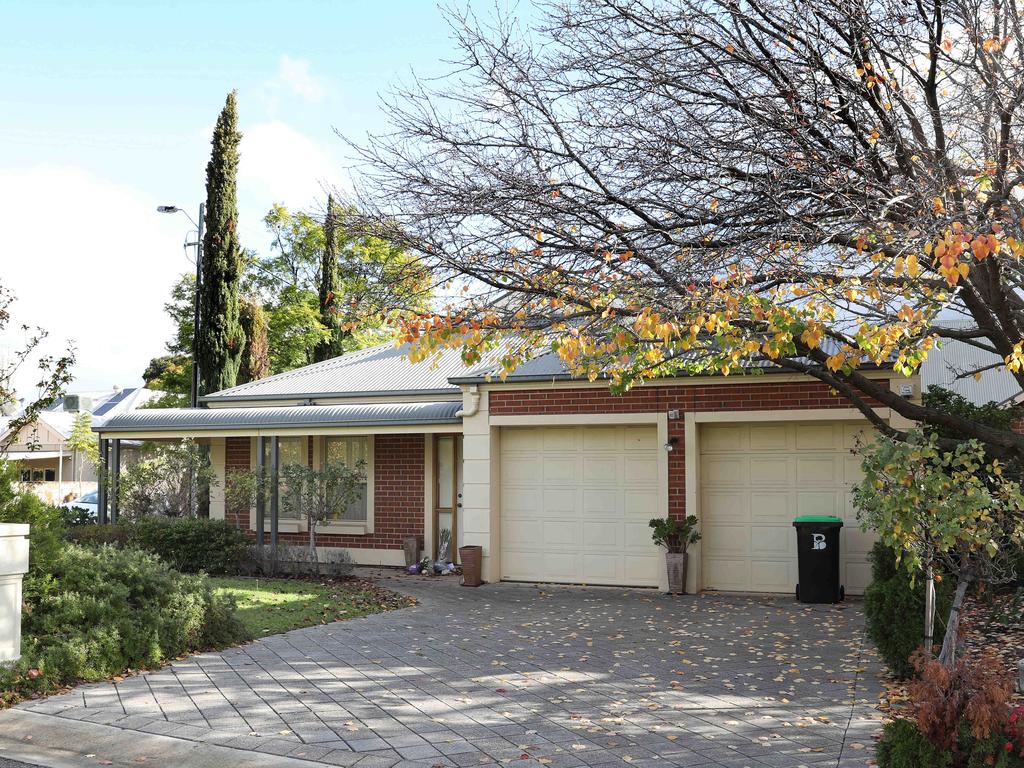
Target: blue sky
(108,109)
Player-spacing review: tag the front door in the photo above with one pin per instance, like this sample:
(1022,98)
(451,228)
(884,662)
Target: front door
(447,496)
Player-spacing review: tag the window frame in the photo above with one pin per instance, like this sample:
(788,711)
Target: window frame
(352,527)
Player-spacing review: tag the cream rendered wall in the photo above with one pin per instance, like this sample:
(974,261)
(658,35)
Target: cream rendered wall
(480,482)
(218,455)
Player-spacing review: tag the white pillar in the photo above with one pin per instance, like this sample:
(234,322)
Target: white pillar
(13,565)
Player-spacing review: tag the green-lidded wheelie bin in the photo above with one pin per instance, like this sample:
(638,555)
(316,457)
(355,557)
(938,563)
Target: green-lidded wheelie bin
(817,545)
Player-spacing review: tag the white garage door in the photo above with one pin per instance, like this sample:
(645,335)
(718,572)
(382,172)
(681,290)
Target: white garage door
(575,503)
(754,479)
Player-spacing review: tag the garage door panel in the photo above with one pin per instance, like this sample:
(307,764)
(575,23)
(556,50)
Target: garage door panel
(602,439)
(606,470)
(521,502)
(557,501)
(640,468)
(580,515)
(599,502)
(723,470)
(770,506)
(643,570)
(640,503)
(820,470)
(755,478)
(773,575)
(561,533)
(771,541)
(727,540)
(557,470)
(769,471)
(769,437)
(517,469)
(608,535)
(637,537)
(815,437)
(815,503)
(559,439)
(730,574)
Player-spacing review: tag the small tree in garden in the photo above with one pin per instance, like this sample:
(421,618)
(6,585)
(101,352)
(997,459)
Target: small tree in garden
(166,481)
(84,442)
(953,509)
(319,494)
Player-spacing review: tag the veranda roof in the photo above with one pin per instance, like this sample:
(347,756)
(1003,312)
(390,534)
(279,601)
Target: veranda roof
(202,420)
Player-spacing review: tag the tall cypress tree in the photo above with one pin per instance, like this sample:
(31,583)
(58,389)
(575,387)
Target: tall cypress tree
(330,287)
(256,357)
(221,338)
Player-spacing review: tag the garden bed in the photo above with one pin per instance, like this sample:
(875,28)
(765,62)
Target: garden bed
(272,606)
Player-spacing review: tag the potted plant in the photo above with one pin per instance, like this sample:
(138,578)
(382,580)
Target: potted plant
(675,536)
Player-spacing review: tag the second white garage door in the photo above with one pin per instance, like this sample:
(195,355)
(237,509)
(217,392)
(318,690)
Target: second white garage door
(754,479)
(575,503)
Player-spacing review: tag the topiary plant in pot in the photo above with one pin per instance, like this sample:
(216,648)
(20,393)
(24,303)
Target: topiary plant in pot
(675,536)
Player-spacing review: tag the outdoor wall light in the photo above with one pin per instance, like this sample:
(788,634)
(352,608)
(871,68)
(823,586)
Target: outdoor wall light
(671,444)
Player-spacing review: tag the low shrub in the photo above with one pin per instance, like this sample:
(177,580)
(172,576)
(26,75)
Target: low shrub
(189,545)
(904,746)
(116,609)
(895,611)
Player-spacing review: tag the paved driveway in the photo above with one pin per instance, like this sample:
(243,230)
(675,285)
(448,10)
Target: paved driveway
(525,675)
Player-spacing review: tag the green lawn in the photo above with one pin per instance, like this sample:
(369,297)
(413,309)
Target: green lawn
(272,606)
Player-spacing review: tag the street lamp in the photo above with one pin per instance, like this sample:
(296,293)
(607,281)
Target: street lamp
(199,275)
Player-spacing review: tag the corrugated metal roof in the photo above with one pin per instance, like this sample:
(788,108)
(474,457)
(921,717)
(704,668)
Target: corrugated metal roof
(380,370)
(360,415)
(945,364)
(548,366)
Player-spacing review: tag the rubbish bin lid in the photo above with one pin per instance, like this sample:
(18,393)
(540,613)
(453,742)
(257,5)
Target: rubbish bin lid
(818,519)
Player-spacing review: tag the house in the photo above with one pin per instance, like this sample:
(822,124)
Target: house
(48,466)
(554,477)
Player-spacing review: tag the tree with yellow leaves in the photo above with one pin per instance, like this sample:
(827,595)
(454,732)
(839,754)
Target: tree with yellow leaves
(716,186)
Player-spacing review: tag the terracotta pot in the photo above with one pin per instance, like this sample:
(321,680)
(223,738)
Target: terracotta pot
(472,559)
(676,563)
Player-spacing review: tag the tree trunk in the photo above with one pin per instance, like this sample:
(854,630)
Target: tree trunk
(947,656)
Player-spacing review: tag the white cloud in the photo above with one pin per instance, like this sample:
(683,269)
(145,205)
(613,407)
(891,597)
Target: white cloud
(92,262)
(280,164)
(296,77)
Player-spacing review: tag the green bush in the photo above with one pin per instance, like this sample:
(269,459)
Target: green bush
(189,545)
(118,609)
(895,611)
(903,746)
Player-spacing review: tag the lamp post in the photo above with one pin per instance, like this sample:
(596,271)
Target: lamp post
(199,276)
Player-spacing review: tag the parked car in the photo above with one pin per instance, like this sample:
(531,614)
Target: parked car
(89,502)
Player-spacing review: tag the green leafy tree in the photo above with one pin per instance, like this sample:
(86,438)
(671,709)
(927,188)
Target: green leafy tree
(85,444)
(54,374)
(221,340)
(935,507)
(317,495)
(168,480)
(256,356)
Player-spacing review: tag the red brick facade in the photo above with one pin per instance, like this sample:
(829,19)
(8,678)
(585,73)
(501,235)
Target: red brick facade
(762,396)
(398,493)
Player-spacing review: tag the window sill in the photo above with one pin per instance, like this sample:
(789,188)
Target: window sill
(349,529)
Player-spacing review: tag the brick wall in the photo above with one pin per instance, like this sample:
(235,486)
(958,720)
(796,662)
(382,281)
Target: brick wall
(398,493)
(712,397)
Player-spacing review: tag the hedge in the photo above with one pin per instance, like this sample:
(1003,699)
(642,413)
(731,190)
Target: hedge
(190,545)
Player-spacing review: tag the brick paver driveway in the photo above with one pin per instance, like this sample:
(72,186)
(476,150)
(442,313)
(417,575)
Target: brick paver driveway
(527,675)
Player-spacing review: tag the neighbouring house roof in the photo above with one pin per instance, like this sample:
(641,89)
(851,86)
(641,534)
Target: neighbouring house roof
(951,367)
(283,417)
(381,370)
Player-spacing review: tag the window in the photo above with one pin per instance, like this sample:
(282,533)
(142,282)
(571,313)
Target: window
(51,475)
(352,452)
(290,450)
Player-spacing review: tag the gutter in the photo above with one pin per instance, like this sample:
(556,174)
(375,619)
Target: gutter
(474,403)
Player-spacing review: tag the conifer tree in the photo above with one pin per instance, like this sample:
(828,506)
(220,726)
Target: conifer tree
(221,339)
(330,286)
